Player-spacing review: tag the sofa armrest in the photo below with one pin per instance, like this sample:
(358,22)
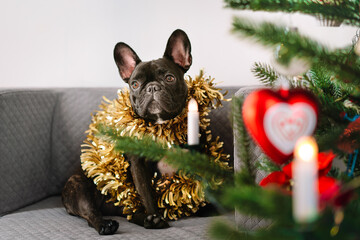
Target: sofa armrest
(255,153)
(25,146)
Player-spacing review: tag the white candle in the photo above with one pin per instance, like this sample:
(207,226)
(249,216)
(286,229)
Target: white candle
(305,176)
(193,123)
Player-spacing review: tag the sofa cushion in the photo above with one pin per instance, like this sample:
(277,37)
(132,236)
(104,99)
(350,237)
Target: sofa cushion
(49,220)
(25,130)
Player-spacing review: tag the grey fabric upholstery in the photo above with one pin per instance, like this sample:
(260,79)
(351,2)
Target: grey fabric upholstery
(25,130)
(49,220)
(41,134)
(248,222)
(72,117)
(255,151)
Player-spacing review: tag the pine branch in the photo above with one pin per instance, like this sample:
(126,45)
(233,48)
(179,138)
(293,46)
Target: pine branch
(331,95)
(277,207)
(327,137)
(266,165)
(265,73)
(334,62)
(323,80)
(337,90)
(347,10)
(243,142)
(259,202)
(190,161)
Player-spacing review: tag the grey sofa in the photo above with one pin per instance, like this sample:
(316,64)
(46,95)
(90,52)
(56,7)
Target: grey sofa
(40,136)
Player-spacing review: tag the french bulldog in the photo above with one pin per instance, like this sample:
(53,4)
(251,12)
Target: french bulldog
(158,92)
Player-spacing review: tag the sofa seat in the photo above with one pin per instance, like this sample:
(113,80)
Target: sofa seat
(48,219)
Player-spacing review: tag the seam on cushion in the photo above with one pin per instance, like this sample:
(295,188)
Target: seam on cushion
(51,167)
(15,91)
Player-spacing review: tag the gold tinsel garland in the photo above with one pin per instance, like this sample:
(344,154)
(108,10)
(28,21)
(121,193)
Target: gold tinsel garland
(178,195)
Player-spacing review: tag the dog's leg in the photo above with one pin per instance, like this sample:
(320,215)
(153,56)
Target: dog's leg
(142,180)
(81,198)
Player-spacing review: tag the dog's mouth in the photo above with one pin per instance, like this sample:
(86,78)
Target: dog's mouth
(154,108)
(156,113)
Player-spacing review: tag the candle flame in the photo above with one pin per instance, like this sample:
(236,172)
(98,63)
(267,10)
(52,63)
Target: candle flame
(193,106)
(306,149)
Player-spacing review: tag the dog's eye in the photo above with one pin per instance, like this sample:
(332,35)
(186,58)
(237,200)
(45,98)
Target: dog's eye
(135,85)
(169,78)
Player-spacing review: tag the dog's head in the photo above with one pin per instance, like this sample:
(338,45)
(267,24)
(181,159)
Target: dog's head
(158,91)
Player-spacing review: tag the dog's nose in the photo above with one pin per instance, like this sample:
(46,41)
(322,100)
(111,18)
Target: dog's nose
(151,88)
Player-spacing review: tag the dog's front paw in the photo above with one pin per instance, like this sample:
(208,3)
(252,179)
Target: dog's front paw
(108,227)
(155,221)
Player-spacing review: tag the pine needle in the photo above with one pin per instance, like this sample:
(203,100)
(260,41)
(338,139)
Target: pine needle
(265,73)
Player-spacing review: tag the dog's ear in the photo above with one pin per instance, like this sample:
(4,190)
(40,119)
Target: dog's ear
(178,49)
(126,60)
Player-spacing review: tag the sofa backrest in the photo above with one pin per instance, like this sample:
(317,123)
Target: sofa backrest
(41,132)
(72,117)
(25,146)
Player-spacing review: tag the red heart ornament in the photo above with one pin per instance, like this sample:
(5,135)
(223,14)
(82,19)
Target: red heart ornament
(277,119)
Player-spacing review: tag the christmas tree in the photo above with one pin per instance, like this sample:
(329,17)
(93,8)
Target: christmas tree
(332,76)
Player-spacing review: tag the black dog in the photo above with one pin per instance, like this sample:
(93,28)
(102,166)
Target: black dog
(158,92)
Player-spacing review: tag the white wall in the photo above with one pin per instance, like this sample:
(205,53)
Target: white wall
(69,43)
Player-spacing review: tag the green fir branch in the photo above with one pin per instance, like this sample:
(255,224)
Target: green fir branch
(331,95)
(259,202)
(327,136)
(334,62)
(347,10)
(242,144)
(265,73)
(266,165)
(188,160)
(337,90)
(277,208)
(323,81)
